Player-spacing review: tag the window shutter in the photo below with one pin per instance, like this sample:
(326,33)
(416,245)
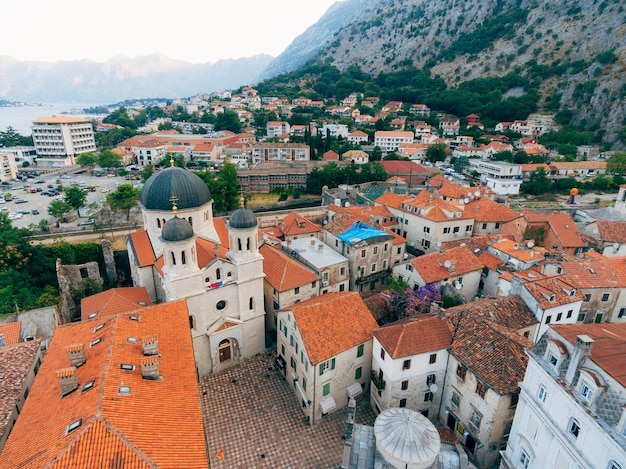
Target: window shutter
(332,364)
(321,369)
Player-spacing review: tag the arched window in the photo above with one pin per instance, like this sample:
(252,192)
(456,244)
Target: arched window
(248,244)
(158,223)
(192,321)
(239,244)
(173,258)
(614,465)
(190,221)
(183,258)
(218,274)
(251,306)
(206,216)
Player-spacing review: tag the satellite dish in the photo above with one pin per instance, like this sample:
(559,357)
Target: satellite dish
(458,286)
(447,264)
(434,388)
(265,236)
(530,244)
(466,200)
(438,244)
(477,193)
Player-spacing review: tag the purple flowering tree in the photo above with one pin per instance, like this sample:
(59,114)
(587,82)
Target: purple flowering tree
(407,303)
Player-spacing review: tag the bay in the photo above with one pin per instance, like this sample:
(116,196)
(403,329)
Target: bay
(21,117)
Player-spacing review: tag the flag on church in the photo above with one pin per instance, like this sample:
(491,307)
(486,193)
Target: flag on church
(220,454)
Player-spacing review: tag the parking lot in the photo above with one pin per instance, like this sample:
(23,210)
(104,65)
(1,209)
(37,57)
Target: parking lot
(34,205)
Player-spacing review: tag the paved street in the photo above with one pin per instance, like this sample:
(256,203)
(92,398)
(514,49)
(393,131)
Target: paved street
(253,415)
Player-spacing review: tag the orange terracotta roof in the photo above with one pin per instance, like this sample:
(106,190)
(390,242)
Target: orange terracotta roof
(413,336)
(208,250)
(509,311)
(591,273)
(11,333)
(519,251)
(283,272)
(612,231)
(565,229)
(124,428)
(390,199)
(432,207)
(333,323)
(485,210)
(477,243)
(222,231)
(295,224)
(114,301)
(553,292)
(369,215)
(142,247)
(609,346)
(490,260)
(432,269)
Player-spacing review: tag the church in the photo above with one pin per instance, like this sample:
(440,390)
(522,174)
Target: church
(182,252)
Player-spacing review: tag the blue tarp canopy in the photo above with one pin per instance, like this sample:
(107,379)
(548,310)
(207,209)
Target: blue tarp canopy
(361,232)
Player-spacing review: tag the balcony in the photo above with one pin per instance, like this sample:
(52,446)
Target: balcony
(379,383)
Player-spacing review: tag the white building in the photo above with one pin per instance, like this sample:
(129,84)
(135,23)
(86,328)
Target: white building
(59,140)
(571,411)
(325,351)
(8,168)
(390,140)
(503,178)
(334,130)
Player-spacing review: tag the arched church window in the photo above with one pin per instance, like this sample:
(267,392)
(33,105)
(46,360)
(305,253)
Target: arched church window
(183,258)
(248,244)
(218,274)
(251,305)
(158,223)
(192,321)
(239,244)
(190,221)
(173,258)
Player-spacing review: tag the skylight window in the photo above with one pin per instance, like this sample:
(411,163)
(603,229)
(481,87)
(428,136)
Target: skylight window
(98,327)
(134,318)
(95,342)
(142,303)
(93,315)
(87,386)
(132,340)
(127,366)
(73,426)
(125,390)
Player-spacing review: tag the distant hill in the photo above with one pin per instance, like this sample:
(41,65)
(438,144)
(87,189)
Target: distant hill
(122,78)
(574,50)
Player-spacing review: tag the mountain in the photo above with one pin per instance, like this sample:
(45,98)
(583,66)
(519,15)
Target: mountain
(314,38)
(574,49)
(122,78)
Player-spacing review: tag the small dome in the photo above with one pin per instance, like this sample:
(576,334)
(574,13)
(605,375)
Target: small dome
(242,218)
(176,229)
(190,191)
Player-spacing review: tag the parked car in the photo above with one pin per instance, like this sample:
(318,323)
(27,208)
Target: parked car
(21,201)
(39,181)
(35,211)
(89,221)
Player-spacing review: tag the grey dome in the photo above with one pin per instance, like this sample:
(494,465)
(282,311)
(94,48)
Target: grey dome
(176,229)
(242,218)
(189,189)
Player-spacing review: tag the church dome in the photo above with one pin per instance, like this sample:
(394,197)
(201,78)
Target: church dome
(176,229)
(242,218)
(190,191)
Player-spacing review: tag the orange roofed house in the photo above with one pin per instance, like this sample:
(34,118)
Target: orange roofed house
(114,392)
(325,346)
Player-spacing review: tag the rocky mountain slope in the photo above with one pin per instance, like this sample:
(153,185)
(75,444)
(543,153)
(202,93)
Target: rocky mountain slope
(122,78)
(575,48)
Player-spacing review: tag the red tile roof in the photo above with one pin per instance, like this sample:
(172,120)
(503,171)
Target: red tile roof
(295,224)
(509,311)
(591,273)
(432,269)
(124,430)
(142,247)
(333,323)
(485,210)
(283,272)
(612,231)
(553,292)
(413,336)
(11,332)
(114,301)
(609,346)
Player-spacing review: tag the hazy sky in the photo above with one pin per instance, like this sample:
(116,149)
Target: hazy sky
(196,31)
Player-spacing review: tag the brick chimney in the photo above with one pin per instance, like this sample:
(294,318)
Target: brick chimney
(76,354)
(582,349)
(67,380)
(150,368)
(150,345)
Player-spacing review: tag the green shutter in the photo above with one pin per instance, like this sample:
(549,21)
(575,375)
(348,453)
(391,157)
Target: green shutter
(332,364)
(359,352)
(321,369)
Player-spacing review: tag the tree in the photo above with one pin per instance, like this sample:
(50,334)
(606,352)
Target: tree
(109,159)
(538,183)
(147,172)
(616,163)
(377,154)
(75,196)
(58,208)
(228,120)
(124,197)
(460,164)
(436,152)
(86,159)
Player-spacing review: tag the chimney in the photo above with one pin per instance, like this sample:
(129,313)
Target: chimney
(76,354)
(452,267)
(312,241)
(67,380)
(150,345)
(582,349)
(320,246)
(150,368)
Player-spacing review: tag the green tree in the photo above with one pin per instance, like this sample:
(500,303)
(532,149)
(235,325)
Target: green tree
(377,154)
(616,163)
(148,170)
(538,183)
(228,120)
(75,196)
(58,208)
(125,197)
(109,159)
(86,159)
(460,164)
(436,152)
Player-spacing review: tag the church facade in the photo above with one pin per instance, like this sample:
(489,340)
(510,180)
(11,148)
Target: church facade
(182,252)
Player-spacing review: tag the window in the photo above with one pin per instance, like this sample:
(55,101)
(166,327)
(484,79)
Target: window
(73,426)
(382,353)
(127,366)
(552,359)
(622,313)
(426,229)
(446,230)
(386,247)
(326,389)
(405,385)
(456,229)
(125,390)
(360,350)
(430,379)
(282,348)
(588,297)
(424,413)
(514,400)
(586,391)
(524,459)
(548,319)
(406,365)
(475,418)
(327,365)
(468,228)
(220,305)
(375,250)
(456,398)
(428,397)
(614,465)
(363,253)
(433,358)
(342,271)
(88,385)
(484,226)
(461,371)
(218,274)
(559,316)
(304,383)
(95,342)
(374,267)
(402,402)
(605,297)
(251,303)
(481,390)
(358,372)
(98,327)
(297,290)
(542,393)
(573,428)
(581,317)
(497,225)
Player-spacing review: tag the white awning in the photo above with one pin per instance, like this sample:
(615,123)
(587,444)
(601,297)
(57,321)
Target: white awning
(305,400)
(327,404)
(354,389)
